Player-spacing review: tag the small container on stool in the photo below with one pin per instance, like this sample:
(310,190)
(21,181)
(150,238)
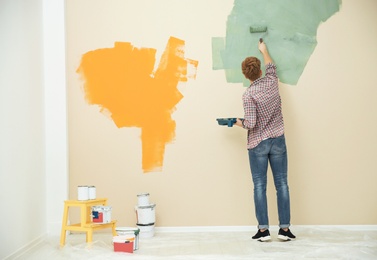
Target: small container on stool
(101,214)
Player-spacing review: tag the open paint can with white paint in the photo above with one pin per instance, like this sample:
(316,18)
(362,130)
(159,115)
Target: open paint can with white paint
(83,193)
(145,214)
(146,231)
(143,199)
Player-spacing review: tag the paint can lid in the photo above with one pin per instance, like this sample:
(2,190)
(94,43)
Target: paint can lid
(143,194)
(147,206)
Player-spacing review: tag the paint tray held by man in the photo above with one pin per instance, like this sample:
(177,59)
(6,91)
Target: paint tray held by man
(227,121)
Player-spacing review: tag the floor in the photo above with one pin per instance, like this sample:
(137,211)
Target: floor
(311,243)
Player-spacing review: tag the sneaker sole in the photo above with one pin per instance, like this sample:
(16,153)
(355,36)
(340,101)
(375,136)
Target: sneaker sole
(264,239)
(285,238)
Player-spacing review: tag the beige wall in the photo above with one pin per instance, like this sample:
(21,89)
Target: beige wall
(330,121)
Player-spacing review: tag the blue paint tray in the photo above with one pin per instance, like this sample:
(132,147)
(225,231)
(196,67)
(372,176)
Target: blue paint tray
(226,121)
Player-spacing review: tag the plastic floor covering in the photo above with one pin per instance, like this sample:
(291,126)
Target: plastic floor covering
(311,243)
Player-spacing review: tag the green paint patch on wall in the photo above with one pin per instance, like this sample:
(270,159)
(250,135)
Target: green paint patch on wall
(121,81)
(291,35)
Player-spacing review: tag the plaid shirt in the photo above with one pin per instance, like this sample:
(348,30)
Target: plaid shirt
(262,106)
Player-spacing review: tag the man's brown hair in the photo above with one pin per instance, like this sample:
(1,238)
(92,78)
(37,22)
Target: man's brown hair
(251,68)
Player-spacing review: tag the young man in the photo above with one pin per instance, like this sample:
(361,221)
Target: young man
(266,142)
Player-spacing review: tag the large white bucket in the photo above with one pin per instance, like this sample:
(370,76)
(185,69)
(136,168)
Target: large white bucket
(146,231)
(146,214)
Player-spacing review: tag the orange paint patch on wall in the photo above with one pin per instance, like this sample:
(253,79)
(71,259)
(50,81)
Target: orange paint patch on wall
(122,82)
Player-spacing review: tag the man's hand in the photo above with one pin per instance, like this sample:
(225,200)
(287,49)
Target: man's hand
(263,49)
(238,123)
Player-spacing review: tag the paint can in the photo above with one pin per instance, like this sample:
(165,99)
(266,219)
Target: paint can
(124,243)
(92,192)
(101,214)
(146,214)
(82,193)
(143,199)
(126,231)
(146,231)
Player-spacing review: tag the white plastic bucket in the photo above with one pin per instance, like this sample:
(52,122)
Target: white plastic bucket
(82,193)
(127,231)
(143,199)
(101,214)
(146,231)
(92,192)
(145,214)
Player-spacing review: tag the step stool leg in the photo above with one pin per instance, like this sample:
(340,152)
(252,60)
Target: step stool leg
(62,237)
(64,225)
(113,229)
(89,235)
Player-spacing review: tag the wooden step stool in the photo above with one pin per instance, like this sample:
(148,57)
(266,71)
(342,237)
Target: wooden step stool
(86,224)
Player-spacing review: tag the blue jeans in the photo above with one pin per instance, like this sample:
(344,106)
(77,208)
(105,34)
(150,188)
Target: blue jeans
(271,150)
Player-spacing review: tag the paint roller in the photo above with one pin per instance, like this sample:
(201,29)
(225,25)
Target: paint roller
(258,29)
